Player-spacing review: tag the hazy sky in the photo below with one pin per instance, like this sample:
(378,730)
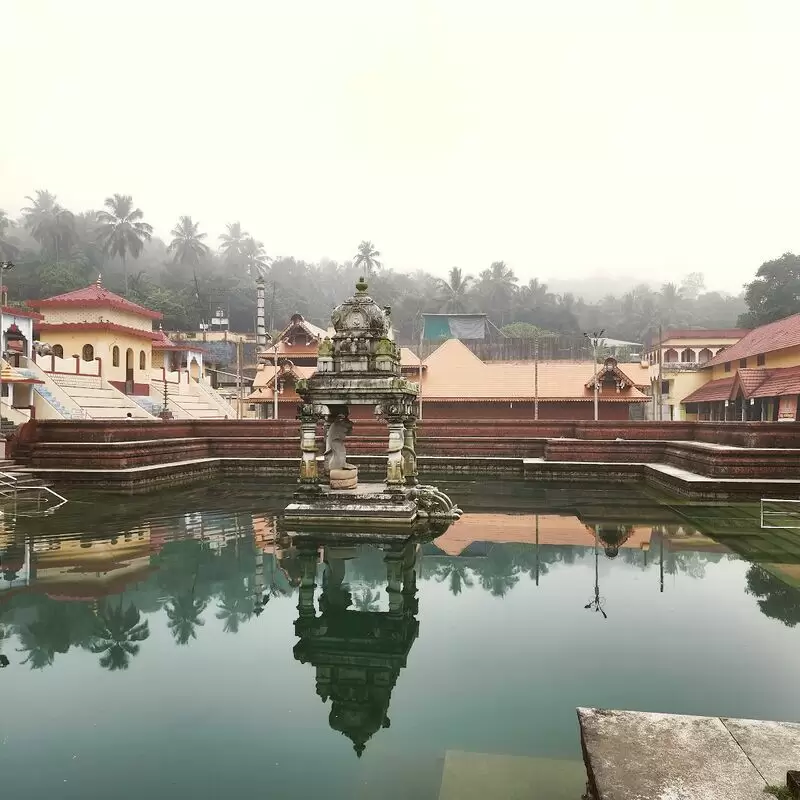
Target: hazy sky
(567,137)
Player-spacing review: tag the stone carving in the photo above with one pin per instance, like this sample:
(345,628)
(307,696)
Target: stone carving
(335,453)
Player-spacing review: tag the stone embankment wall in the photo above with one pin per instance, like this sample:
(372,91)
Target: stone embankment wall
(772,450)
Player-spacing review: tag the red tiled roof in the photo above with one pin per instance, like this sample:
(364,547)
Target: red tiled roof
(750,379)
(94,296)
(14,311)
(110,327)
(162,342)
(711,392)
(777,382)
(766,339)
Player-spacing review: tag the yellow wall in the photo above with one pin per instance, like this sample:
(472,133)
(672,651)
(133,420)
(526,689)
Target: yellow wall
(103,343)
(60,315)
(789,357)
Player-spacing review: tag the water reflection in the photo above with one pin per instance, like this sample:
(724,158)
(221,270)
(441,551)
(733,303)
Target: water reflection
(357,651)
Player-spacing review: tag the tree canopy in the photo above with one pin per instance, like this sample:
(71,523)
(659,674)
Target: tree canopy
(57,250)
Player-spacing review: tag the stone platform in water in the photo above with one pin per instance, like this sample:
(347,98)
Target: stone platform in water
(369,508)
(631,755)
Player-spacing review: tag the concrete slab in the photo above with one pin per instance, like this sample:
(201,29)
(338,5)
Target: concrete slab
(772,747)
(631,755)
(479,776)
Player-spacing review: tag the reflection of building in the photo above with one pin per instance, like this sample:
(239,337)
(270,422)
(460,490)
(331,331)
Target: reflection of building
(79,568)
(357,654)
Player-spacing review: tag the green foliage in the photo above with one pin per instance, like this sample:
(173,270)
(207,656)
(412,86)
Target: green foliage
(774,293)
(523,330)
(57,251)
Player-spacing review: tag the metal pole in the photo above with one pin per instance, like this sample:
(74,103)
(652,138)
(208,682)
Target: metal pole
(4,265)
(239,378)
(596,398)
(536,384)
(660,359)
(421,336)
(275,385)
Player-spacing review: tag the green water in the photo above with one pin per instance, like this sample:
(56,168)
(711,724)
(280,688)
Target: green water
(163,646)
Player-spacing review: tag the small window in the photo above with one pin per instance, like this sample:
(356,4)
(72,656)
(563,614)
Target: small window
(761,359)
(58,351)
(142,360)
(727,366)
(88,353)
(115,356)
(665,388)
(742,363)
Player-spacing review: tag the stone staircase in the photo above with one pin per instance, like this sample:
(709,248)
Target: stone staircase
(99,399)
(185,403)
(42,390)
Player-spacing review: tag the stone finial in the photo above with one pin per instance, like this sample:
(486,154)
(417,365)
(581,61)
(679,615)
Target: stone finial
(99,282)
(361,286)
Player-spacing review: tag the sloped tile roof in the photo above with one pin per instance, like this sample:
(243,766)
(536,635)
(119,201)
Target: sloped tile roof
(766,339)
(779,382)
(455,373)
(712,391)
(751,379)
(94,296)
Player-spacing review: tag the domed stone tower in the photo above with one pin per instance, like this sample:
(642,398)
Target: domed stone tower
(359,365)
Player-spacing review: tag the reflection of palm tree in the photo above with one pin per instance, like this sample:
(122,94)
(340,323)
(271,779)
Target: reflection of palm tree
(116,633)
(184,617)
(47,635)
(367,600)
(457,573)
(235,608)
(498,572)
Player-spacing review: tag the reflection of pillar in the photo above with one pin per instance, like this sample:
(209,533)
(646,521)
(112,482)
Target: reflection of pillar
(308,446)
(410,451)
(394,585)
(394,463)
(410,602)
(308,577)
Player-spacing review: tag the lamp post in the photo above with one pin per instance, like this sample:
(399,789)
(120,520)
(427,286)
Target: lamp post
(4,267)
(594,340)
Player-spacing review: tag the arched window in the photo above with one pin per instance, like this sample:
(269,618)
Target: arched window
(58,351)
(687,356)
(670,356)
(88,353)
(142,360)
(705,355)
(115,356)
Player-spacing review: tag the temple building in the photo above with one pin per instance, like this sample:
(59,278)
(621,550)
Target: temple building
(755,379)
(676,361)
(100,359)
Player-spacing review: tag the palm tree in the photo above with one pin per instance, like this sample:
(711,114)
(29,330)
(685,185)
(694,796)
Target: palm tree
(367,258)
(254,255)
(184,617)
(187,243)
(49,634)
(454,291)
(498,573)
(49,223)
(116,634)
(122,231)
(499,285)
(8,250)
(232,246)
(458,574)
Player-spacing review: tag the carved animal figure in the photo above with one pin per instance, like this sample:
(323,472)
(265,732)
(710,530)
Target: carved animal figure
(335,454)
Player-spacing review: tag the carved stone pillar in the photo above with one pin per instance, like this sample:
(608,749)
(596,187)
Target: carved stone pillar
(394,462)
(394,580)
(309,477)
(305,594)
(410,451)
